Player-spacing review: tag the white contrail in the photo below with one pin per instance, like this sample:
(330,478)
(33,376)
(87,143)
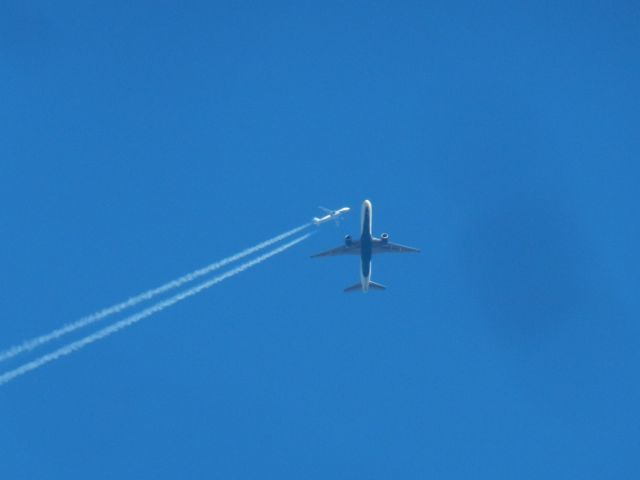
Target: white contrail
(32,343)
(128,321)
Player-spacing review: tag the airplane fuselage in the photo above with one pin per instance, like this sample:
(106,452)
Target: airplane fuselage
(333,215)
(366,243)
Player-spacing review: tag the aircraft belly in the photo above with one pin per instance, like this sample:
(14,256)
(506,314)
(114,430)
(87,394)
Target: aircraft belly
(366,268)
(365,261)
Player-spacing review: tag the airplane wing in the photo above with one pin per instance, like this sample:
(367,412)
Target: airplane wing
(388,247)
(352,249)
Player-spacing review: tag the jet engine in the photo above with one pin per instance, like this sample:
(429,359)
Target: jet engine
(385,238)
(347,240)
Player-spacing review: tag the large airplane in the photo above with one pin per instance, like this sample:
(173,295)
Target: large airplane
(366,247)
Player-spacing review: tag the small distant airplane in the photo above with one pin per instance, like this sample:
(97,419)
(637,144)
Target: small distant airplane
(330,215)
(366,247)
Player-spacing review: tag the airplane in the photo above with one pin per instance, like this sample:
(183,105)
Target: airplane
(331,215)
(366,247)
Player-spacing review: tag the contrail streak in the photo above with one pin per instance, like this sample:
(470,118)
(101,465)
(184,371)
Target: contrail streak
(126,322)
(32,343)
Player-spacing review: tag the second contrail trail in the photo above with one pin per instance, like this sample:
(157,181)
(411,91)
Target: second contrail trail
(32,343)
(128,321)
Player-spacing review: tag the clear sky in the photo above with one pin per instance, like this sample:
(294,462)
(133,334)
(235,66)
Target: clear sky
(142,140)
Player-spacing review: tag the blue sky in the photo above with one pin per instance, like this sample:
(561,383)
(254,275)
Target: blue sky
(142,142)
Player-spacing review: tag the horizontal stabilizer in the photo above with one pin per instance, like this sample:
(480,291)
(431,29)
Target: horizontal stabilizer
(358,287)
(354,288)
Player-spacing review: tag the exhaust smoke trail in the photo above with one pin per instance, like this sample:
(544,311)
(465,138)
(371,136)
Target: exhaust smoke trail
(128,321)
(32,343)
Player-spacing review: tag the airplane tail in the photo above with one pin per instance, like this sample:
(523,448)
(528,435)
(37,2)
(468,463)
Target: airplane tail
(358,287)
